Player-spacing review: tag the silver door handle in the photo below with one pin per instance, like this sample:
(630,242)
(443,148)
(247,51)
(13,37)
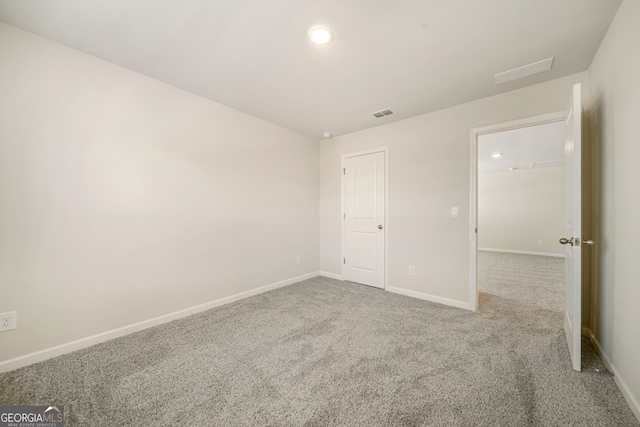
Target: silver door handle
(380,227)
(588,242)
(564,241)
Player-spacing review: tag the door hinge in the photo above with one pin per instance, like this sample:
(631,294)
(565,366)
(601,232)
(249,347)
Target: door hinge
(476,230)
(344,216)
(344,171)
(344,260)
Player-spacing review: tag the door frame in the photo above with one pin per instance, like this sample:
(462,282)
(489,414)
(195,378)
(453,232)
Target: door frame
(558,116)
(384,150)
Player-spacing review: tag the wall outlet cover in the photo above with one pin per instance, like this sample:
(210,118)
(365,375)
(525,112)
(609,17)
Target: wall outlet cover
(8,321)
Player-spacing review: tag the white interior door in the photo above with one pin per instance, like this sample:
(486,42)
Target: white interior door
(364,219)
(573,230)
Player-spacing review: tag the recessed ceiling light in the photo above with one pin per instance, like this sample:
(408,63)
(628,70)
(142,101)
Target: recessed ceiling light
(512,169)
(496,155)
(327,134)
(320,34)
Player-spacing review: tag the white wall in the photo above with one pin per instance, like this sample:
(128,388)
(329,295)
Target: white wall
(429,164)
(518,208)
(123,198)
(614,78)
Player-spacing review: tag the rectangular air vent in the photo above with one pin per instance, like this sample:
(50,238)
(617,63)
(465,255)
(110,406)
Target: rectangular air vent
(524,71)
(382,113)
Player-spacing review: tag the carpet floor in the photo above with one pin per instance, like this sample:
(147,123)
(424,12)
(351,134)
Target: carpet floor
(329,353)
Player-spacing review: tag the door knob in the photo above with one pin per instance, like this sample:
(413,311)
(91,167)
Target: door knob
(564,241)
(380,227)
(588,242)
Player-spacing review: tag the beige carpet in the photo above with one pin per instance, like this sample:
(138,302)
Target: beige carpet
(324,352)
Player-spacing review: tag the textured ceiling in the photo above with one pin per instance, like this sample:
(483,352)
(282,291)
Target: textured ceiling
(413,56)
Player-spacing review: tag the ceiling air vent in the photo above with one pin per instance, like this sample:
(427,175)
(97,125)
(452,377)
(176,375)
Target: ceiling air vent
(524,71)
(382,113)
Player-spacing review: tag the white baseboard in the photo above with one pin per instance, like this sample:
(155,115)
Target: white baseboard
(513,251)
(409,293)
(626,392)
(330,275)
(620,382)
(427,297)
(48,353)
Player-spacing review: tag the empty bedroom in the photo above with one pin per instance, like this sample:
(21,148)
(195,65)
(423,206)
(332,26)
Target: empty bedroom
(284,213)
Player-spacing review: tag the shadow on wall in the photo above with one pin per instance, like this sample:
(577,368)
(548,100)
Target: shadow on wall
(599,288)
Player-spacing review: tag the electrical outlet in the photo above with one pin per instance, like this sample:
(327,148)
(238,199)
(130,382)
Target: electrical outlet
(8,321)
(412,270)
(298,259)
(540,243)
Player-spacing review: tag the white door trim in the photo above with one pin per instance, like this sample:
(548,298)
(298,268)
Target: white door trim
(384,150)
(473,202)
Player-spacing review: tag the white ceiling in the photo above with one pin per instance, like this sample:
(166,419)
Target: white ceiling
(542,144)
(413,56)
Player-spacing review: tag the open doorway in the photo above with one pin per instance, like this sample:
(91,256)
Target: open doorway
(518,169)
(521,213)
